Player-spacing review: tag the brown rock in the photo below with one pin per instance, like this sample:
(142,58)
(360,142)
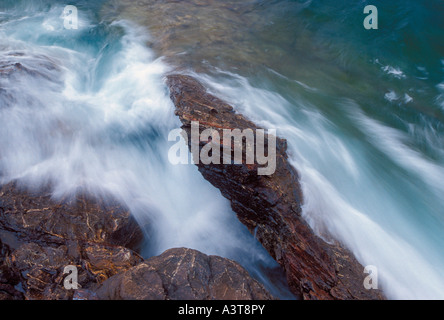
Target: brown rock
(45,236)
(41,270)
(34,216)
(184,274)
(90,234)
(104,262)
(270,205)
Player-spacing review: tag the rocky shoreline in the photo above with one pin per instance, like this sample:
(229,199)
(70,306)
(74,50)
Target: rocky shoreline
(40,236)
(270,206)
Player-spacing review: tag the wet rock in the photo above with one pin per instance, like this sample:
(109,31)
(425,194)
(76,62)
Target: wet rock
(270,205)
(201,31)
(8,279)
(42,272)
(103,262)
(92,234)
(35,217)
(33,65)
(184,274)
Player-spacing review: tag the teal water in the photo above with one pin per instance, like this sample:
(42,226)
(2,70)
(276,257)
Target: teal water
(362,111)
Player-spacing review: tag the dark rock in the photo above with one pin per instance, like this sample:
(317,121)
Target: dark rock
(41,270)
(184,274)
(36,217)
(90,233)
(8,279)
(270,205)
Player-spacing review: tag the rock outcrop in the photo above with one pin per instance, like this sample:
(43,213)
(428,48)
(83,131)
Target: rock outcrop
(40,237)
(35,217)
(184,274)
(270,206)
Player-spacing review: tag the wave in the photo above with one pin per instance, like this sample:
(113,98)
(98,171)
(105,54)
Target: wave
(384,216)
(94,114)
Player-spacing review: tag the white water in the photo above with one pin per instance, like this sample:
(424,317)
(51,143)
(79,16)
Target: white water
(98,119)
(391,219)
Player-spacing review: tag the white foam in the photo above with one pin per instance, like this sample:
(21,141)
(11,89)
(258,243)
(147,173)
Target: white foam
(391,96)
(345,196)
(78,128)
(395,72)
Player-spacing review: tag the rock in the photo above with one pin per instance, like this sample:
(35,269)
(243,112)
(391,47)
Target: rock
(35,217)
(270,206)
(203,31)
(184,274)
(90,234)
(44,236)
(34,65)
(41,270)
(8,279)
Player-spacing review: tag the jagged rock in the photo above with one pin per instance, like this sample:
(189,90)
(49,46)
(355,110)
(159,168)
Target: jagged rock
(44,236)
(184,274)
(35,217)
(41,270)
(270,205)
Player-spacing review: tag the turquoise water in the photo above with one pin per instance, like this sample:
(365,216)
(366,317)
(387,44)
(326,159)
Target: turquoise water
(362,110)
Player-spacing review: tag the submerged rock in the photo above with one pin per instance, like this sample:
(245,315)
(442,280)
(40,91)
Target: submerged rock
(184,274)
(270,206)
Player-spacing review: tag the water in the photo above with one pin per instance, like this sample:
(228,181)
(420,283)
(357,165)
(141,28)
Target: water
(362,110)
(89,110)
